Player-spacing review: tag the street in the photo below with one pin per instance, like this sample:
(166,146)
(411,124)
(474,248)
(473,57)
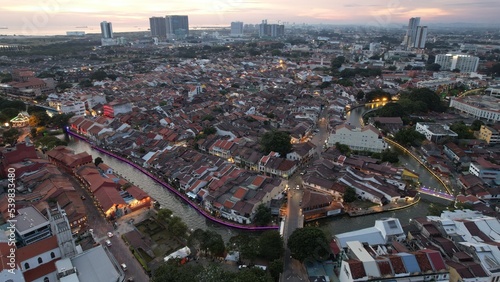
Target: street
(101,227)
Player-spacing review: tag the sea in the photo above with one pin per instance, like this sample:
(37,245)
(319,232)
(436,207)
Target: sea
(34,30)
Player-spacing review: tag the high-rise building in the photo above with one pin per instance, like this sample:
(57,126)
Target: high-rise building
(464,63)
(421,37)
(177,26)
(237,29)
(106,30)
(411,31)
(271,30)
(158,27)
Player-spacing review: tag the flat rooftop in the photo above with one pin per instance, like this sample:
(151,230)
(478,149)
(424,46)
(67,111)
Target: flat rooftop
(482,102)
(94,265)
(29,219)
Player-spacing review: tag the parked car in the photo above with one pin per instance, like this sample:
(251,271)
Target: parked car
(108,243)
(124,267)
(110,234)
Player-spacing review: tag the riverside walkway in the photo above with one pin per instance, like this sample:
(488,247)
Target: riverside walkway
(175,191)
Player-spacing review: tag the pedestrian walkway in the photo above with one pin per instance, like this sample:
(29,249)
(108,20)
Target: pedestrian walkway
(385,208)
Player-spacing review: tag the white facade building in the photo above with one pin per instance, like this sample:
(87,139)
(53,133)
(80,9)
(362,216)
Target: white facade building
(465,63)
(77,107)
(434,132)
(479,107)
(365,139)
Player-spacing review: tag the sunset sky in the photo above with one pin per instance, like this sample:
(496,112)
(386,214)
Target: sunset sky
(50,13)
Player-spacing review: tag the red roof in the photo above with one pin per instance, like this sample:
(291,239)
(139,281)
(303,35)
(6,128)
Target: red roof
(108,197)
(40,271)
(137,193)
(435,258)
(36,249)
(240,193)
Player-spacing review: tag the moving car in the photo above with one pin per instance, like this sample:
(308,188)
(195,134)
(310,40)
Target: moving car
(110,234)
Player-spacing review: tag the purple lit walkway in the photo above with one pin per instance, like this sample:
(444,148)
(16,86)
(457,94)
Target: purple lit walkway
(175,191)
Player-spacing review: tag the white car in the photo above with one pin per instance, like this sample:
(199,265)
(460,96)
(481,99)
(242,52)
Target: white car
(124,267)
(110,234)
(298,187)
(108,243)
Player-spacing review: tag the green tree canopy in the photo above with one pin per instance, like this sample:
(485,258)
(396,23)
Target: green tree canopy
(262,215)
(429,97)
(408,136)
(98,161)
(349,195)
(308,242)
(247,245)
(276,141)
(463,131)
(50,142)
(378,94)
(343,148)
(389,155)
(10,136)
(271,245)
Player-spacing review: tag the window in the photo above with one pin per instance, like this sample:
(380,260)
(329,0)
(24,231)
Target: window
(46,279)
(40,260)
(26,265)
(52,255)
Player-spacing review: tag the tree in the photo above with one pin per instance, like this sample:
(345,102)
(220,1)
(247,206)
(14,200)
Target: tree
(276,141)
(164,214)
(38,119)
(262,215)
(98,161)
(308,242)
(463,131)
(213,242)
(247,245)
(61,120)
(389,155)
(344,149)
(50,142)
(337,62)
(172,271)
(276,268)
(177,227)
(271,245)
(98,75)
(350,195)
(433,67)
(10,136)
(408,136)
(476,125)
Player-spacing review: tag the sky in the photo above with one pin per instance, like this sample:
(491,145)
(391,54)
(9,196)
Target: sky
(44,14)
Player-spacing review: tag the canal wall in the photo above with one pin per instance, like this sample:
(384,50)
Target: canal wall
(175,191)
(397,145)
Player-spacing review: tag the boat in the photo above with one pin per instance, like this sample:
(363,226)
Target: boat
(4,27)
(83,26)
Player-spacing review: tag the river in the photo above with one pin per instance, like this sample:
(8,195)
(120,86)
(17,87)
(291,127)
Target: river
(166,199)
(194,220)
(355,118)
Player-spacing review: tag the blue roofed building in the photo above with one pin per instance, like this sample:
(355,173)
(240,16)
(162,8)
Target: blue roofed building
(410,262)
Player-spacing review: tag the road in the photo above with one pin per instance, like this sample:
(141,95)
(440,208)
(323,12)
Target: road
(293,269)
(100,226)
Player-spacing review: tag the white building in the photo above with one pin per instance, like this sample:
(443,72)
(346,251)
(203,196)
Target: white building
(383,232)
(465,63)
(485,170)
(77,107)
(365,139)
(479,107)
(435,132)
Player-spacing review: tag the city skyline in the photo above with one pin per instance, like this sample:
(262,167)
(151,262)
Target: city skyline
(383,13)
